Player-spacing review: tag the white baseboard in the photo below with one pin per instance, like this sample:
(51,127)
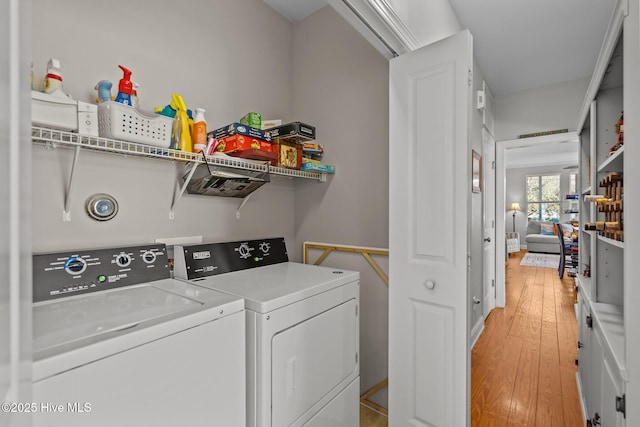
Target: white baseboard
(581,396)
(477,331)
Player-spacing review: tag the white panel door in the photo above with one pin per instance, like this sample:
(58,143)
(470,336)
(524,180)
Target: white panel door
(489,209)
(429,197)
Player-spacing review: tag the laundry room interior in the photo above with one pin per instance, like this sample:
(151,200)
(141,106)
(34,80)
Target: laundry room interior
(140,257)
(228,57)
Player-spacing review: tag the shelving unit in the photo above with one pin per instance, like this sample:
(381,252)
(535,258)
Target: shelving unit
(603,336)
(56,138)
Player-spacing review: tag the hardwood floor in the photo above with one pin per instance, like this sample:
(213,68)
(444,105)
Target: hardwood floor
(523,365)
(371,418)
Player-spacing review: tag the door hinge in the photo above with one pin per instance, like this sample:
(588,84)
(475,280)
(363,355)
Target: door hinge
(470,74)
(621,405)
(356,357)
(493,164)
(468,261)
(589,321)
(493,224)
(493,283)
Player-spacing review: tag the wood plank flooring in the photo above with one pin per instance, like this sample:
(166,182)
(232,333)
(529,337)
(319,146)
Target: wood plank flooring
(523,365)
(523,370)
(371,418)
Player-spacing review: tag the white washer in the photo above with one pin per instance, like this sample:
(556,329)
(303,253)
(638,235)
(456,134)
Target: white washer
(113,348)
(302,330)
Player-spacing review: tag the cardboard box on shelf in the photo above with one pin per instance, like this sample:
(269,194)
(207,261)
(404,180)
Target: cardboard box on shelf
(255,154)
(289,153)
(252,119)
(318,167)
(239,128)
(270,123)
(246,147)
(295,132)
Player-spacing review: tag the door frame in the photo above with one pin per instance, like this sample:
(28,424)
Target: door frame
(490,170)
(501,206)
(15,227)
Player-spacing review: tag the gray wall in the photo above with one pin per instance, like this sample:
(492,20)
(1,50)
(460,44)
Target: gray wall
(516,191)
(229,57)
(539,110)
(341,85)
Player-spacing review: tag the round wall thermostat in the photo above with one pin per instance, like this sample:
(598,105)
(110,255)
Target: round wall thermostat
(102,207)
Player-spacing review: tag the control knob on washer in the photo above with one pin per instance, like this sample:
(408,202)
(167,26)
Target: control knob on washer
(149,257)
(75,265)
(123,260)
(264,247)
(244,250)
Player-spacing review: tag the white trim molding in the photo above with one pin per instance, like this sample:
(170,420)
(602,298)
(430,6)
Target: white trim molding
(378,22)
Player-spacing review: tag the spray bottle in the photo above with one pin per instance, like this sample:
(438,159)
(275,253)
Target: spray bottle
(134,95)
(125,88)
(181,131)
(199,131)
(53,80)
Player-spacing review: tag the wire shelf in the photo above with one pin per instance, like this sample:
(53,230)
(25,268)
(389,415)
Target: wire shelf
(54,138)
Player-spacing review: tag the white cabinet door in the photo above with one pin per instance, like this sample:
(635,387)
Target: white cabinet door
(429,197)
(594,372)
(584,345)
(610,391)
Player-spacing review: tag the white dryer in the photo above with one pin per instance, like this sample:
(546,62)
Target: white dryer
(117,342)
(302,330)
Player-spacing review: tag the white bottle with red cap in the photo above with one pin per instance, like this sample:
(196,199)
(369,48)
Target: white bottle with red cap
(53,80)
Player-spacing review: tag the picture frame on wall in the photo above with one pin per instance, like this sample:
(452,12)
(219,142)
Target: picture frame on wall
(476,172)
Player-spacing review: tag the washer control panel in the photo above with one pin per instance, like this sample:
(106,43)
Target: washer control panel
(62,274)
(204,260)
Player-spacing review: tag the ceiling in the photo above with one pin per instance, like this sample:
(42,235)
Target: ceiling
(564,153)
(295,10)
(520,45)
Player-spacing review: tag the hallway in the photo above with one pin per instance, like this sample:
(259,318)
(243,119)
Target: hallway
(523,365)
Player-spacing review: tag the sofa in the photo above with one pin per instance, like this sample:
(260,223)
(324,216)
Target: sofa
(541,238)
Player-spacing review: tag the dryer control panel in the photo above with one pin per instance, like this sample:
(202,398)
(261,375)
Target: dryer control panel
(62,274)
(192,262)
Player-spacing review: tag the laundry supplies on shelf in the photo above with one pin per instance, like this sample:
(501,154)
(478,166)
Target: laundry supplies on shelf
(125,88)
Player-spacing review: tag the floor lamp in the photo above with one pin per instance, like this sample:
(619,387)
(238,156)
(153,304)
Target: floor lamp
(515,207)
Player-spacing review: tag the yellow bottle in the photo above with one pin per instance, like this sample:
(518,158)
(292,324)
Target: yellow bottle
(181,126)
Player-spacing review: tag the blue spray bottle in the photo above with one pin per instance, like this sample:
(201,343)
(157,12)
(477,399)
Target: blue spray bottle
(125,88)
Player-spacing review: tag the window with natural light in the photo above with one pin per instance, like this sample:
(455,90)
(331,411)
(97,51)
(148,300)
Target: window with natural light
(543,197)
